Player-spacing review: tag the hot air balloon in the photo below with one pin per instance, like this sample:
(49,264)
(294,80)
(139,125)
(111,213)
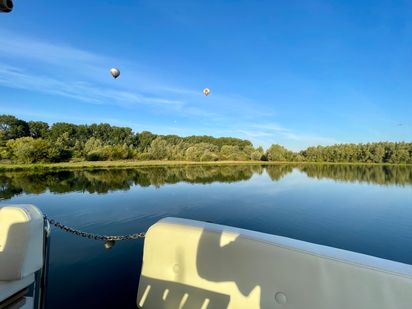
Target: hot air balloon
(206,91)
(115,72)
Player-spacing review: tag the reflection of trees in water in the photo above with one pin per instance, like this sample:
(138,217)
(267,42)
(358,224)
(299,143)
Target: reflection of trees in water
(103,181)
(7,189)
(373,174)
(158,176)
(257,169)
(276,172)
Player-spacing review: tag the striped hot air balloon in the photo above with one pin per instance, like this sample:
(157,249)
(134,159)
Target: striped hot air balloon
(206,91)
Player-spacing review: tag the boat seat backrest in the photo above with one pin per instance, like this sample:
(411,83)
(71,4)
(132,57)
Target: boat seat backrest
(191,264)
(21,241)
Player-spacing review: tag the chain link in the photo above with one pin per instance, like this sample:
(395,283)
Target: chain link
(91,235)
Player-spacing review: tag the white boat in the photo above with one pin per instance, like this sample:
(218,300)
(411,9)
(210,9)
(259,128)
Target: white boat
(191,264)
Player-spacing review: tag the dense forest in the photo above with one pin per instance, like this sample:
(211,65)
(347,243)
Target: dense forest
(36,141)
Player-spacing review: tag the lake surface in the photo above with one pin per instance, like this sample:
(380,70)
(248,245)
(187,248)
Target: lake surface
(366,209)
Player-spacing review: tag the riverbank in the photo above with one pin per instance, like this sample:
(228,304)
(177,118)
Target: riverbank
(131,164)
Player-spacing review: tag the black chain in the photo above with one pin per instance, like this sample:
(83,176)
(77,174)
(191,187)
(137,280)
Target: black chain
(91,235)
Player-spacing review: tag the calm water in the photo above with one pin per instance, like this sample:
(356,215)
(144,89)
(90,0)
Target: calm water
(364,209)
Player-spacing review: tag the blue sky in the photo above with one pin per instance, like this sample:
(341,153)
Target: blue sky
(297,73)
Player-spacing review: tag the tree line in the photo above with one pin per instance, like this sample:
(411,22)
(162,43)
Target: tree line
(36,141)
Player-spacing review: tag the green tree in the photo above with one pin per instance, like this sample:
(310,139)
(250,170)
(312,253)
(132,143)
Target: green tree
(201,152)
(178,152)
(38,129)
(158,149)
(94,150)
(12,128)
(145,140)
(377,153)
(232,153)
(59,128)
(119,152)
(258,154)
(59,150)
(209,156)
(29,150)
(279,153)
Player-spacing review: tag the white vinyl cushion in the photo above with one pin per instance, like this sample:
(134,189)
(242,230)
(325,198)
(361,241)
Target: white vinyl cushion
(9,288)
(190,264)
(21,241)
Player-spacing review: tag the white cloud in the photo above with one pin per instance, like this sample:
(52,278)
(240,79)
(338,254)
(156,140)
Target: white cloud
(18,46)
(269,133)
(84,91)
(28,63)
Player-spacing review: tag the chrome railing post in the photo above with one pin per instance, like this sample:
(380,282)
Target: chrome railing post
(41,284)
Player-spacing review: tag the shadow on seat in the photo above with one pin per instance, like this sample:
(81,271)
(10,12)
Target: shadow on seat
(156,293)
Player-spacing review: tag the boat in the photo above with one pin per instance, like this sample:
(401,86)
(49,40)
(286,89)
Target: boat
(195,264)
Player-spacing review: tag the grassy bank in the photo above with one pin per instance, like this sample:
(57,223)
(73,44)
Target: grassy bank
(131,164)
(112,164)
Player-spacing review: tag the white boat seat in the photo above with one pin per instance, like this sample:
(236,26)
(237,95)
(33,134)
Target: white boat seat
(191,264)
(9,288)
(21,247)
